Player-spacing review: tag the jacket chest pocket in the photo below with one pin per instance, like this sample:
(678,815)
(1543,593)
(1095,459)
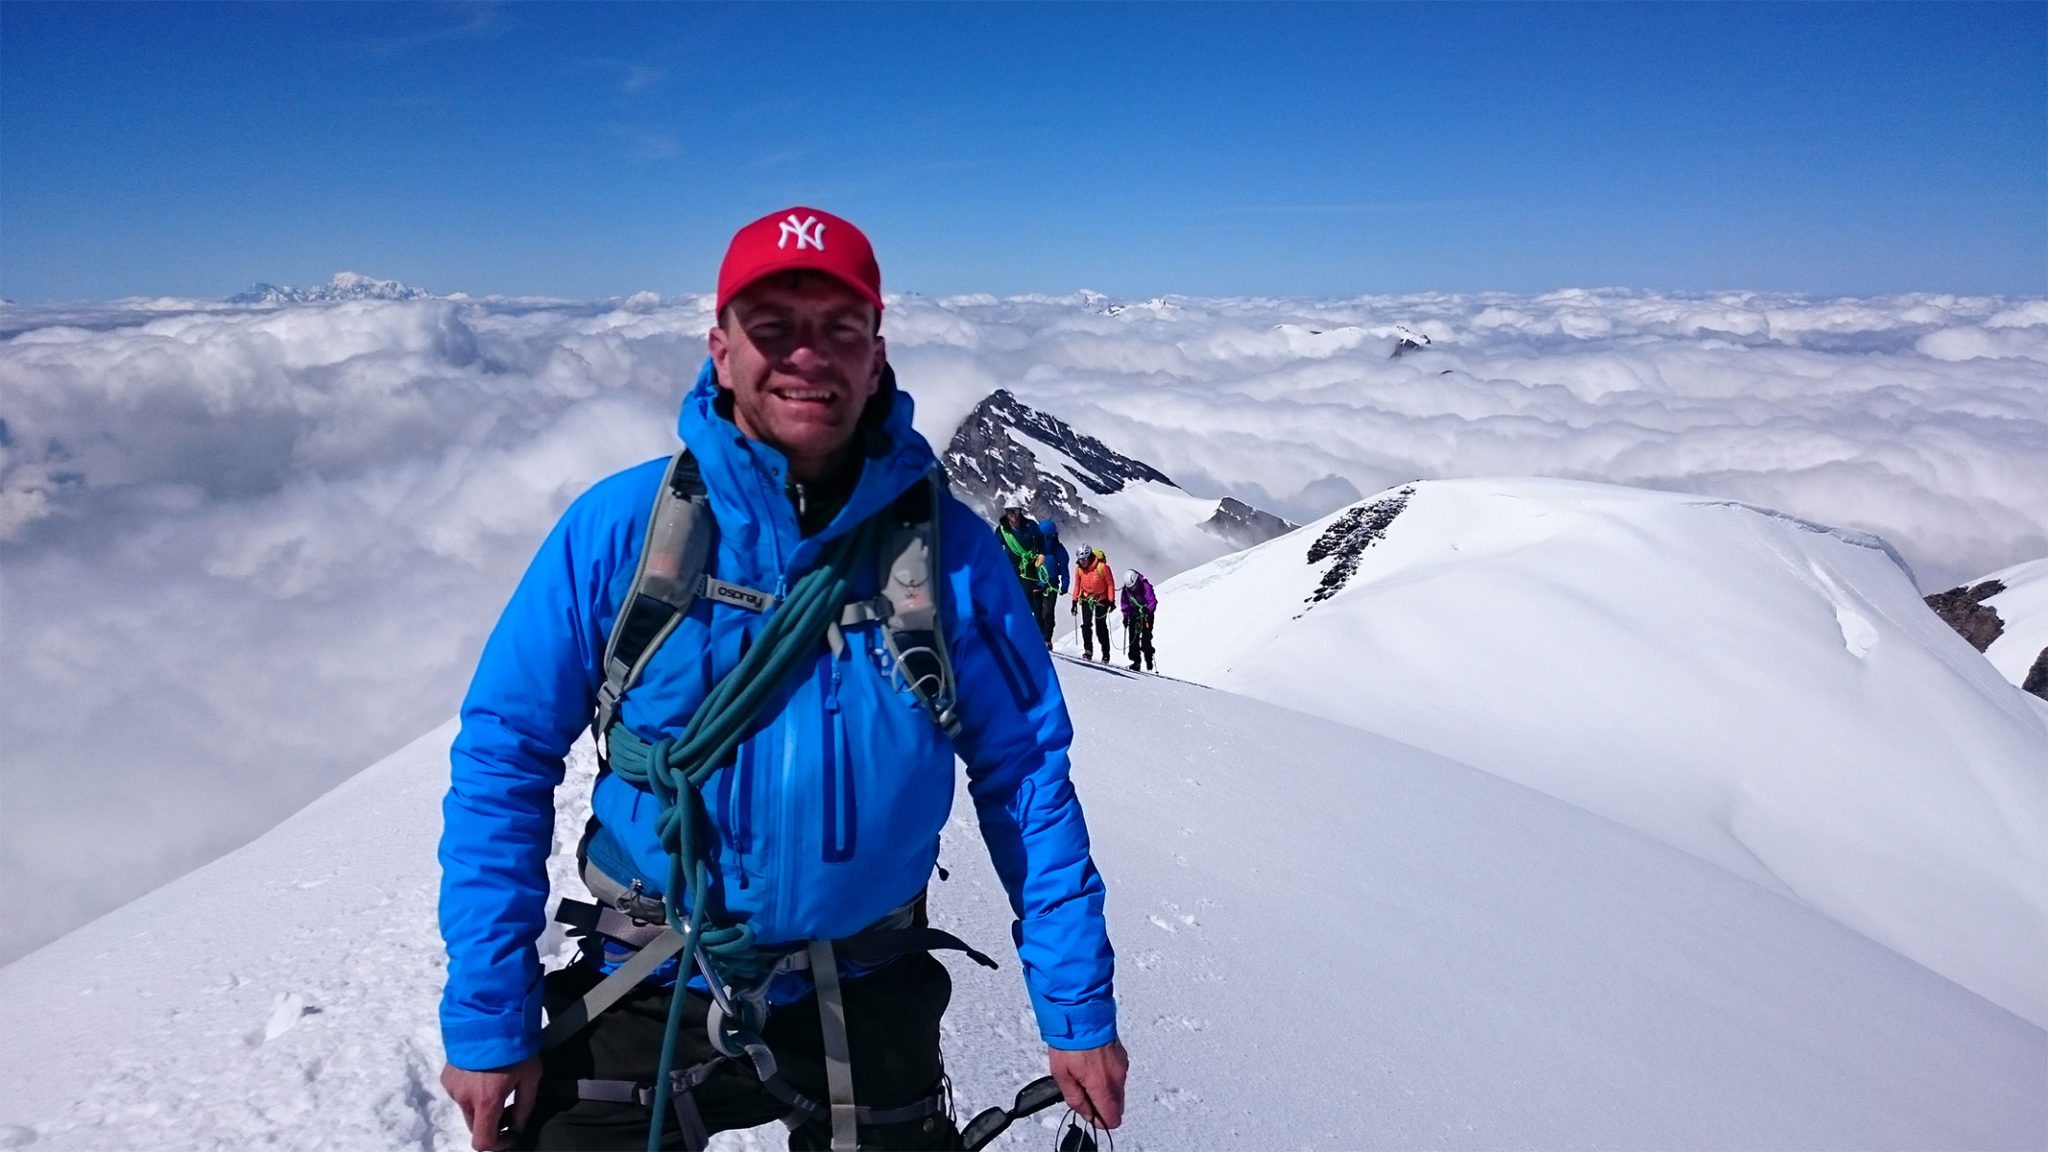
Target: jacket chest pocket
(883,767)
(1016,677)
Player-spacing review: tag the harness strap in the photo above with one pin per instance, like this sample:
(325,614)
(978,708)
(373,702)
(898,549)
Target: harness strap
(610,923)
(612,988)
(838,1052)
(682,1086)
(893,936)
(878,946)
(801,1107)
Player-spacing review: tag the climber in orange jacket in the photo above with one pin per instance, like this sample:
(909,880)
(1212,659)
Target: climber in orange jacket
(1094,592)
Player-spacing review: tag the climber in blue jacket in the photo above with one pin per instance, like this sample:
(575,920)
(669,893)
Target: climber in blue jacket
(822,825)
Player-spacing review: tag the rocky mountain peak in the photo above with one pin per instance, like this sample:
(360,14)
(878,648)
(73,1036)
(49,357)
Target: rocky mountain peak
(991,467)
(1007,452)
(1244,525)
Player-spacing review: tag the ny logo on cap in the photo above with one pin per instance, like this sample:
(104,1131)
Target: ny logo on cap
(809,231)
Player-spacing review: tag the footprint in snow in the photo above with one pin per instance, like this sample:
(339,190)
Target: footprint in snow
(1160,923)
(286,1010)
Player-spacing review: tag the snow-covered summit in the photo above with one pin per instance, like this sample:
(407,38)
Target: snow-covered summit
(342,286)
(1764,693)
(1464,963)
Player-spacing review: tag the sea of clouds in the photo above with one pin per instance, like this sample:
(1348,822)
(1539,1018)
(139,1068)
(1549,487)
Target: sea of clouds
(245,552)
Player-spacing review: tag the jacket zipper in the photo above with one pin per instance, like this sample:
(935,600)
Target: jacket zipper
(839,839)
(741,811)
(778,853)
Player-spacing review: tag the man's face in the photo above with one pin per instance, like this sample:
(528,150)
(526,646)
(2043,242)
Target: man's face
(800,355)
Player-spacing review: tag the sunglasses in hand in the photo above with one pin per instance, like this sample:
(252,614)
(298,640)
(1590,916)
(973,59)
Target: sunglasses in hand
(1037,1096)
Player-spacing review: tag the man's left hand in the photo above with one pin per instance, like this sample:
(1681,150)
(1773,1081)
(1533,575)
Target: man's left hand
(1092,1080)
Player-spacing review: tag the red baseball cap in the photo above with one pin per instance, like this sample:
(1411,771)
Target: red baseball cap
(799,238)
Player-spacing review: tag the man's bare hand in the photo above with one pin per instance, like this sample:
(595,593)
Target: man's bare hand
(482,1097)
(1092,1081)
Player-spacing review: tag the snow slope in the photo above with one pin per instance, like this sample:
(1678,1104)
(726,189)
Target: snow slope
(1763,693)
(1326,939)
(2023,606)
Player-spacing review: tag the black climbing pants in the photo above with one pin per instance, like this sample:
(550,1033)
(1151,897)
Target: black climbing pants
(1138,637)
(892,1030)
(1044,602)
(1094,627)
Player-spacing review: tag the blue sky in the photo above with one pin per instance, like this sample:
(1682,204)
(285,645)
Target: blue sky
(1288,149)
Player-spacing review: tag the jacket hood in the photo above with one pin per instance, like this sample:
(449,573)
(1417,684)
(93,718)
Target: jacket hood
(1048,529)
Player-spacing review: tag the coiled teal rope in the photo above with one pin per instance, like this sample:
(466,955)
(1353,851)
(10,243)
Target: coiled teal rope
(675,769)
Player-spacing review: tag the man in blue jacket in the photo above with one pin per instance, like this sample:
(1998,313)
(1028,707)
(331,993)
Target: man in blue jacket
(1057,561)
(824,822)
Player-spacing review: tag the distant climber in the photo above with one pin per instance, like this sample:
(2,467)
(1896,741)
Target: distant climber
(1139,606)
(1056,562)
(1094,592)
(1023,539)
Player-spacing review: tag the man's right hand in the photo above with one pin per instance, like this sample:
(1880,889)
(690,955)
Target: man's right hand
(482,1097)
(1074,608)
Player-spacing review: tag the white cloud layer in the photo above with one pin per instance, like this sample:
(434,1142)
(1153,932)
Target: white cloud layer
(246,552)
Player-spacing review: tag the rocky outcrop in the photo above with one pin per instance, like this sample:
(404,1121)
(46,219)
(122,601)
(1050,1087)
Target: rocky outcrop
(1347,539)
(2037,676)
(1964,610)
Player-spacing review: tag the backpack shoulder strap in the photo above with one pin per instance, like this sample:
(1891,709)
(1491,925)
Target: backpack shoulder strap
(673,559)
(908,602)
(674,570)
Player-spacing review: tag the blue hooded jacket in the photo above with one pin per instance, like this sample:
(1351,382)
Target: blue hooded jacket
(828,816)
(1055,552)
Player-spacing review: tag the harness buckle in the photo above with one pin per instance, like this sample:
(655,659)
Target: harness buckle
(628,898)
(733,1022)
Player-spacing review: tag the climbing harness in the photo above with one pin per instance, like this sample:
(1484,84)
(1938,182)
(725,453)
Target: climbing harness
(629,918)
(673,572)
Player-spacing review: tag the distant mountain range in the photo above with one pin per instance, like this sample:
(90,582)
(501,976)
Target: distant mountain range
(343,286)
